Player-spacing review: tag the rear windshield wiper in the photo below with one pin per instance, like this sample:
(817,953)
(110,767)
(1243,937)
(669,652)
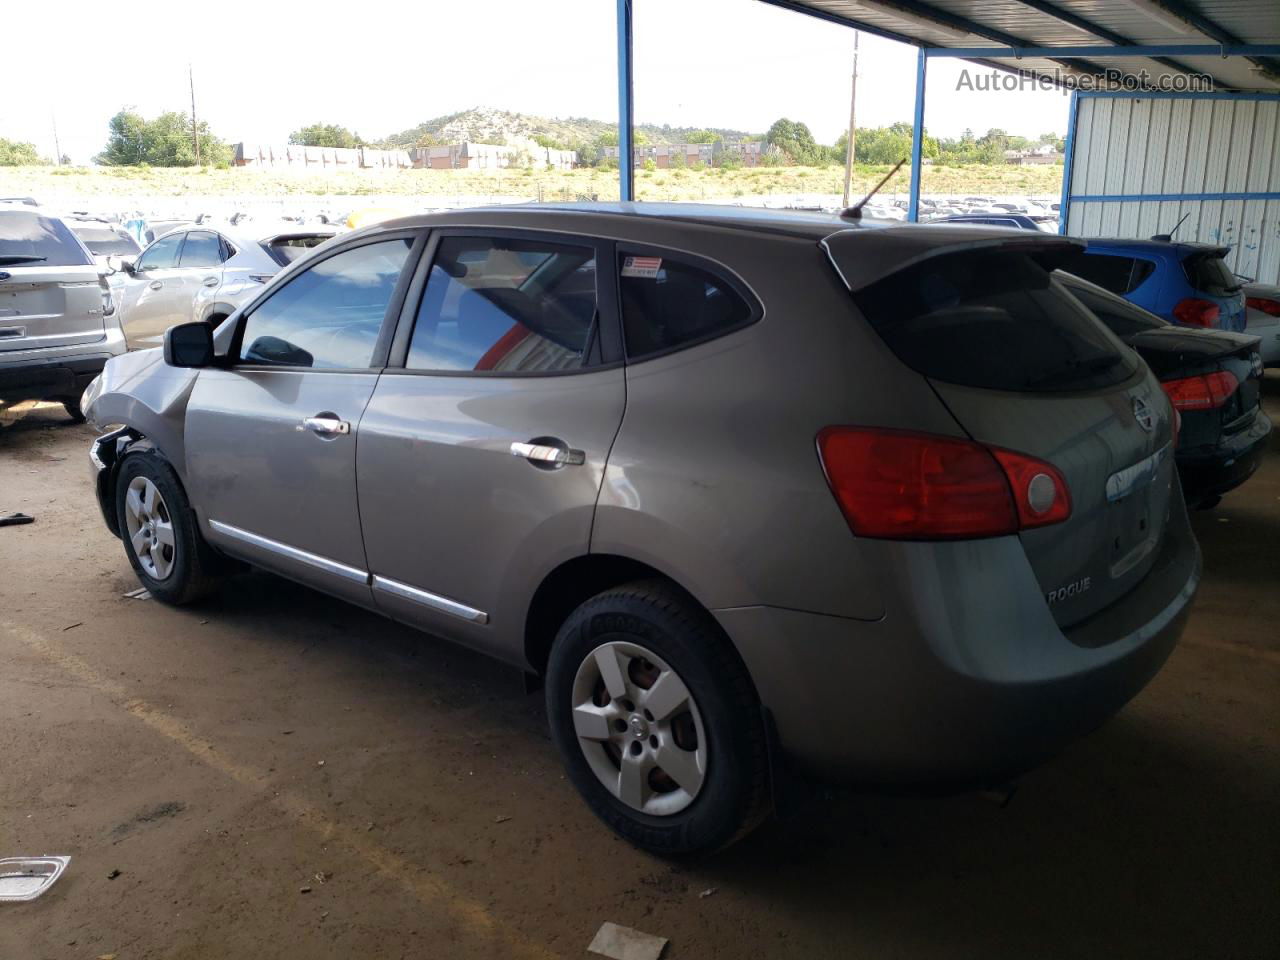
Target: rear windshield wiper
(14,258)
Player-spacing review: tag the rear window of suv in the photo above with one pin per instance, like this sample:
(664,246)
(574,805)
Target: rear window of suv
(29,239)
(285,250)
(1209,273)
(995,320)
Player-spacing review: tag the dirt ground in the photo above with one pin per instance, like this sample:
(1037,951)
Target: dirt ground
(276,774)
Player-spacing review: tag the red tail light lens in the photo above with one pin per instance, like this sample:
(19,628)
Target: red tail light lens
(1195,312)
(1201,393)
(897,485)
(1265,304)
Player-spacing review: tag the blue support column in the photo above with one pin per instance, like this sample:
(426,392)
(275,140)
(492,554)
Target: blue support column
(917,140)
(626,157)
(1068,156)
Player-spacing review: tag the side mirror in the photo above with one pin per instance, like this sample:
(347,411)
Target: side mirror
(119,264)
(189,345)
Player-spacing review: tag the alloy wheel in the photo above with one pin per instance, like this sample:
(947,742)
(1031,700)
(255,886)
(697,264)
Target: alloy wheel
(150,528)
(639,728)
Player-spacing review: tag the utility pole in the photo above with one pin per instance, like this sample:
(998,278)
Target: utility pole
(853,112)
(195,129)
(57,148)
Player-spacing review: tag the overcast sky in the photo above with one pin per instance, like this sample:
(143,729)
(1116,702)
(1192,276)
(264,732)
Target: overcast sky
(266,67)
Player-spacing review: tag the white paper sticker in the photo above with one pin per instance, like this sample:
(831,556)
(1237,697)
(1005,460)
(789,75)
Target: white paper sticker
(646,267)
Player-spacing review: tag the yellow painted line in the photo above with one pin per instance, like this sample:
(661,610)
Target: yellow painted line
(430,890)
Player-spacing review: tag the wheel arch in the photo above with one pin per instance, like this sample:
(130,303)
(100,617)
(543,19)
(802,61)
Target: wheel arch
(570,584)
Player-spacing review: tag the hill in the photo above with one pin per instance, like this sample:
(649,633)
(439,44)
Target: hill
(489,125)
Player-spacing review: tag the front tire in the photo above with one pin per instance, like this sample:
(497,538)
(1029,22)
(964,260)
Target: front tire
(159,531)
(657,721)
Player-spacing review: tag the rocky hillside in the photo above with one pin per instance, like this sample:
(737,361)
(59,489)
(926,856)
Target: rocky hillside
(489,125)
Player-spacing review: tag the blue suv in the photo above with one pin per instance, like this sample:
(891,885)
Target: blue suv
(1185,283)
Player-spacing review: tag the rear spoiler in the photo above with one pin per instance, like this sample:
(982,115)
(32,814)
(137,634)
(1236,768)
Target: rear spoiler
(862,256)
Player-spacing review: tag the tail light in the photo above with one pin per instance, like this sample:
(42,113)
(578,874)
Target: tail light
(898,485)
(1265,304)
(108,304)
(1201,393)
(1195,312)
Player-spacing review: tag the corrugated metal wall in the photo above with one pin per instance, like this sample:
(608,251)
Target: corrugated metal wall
(1138,147)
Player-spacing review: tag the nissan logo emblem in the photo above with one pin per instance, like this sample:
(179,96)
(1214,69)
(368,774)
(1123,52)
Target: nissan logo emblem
(1142,413)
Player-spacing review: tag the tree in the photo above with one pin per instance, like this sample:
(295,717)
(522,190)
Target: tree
(326,135)
(703,136)
(17,154)
(792,139)
(166,141)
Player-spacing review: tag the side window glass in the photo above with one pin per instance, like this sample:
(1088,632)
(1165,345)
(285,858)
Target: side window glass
(505,306)
(202,249)
(1107,271)
(162,254)
(666,304)
(327,317)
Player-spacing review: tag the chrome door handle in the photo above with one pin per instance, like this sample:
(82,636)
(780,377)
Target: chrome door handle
(155,284)
(549,453)
(210,281)
(325,426)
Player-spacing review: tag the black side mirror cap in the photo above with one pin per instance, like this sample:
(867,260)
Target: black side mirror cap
(189,345)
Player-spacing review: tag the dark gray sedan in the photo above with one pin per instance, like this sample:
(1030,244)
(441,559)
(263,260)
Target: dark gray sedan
(749,491)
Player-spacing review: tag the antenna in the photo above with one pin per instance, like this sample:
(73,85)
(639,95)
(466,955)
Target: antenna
(1166,237)
(855,212)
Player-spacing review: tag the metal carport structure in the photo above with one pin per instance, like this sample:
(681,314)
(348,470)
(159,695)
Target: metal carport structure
(1235,42)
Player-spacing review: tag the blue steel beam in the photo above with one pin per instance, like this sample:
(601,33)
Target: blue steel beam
(626,103)
(1136,50)
(917,138)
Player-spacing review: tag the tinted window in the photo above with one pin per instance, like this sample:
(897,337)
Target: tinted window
(104,241)
(507,306)
(1209,273)
(285,250)
(162,254)
(29,238)
(1121,317)
(1115,273)
(995,320)
(327,317)
(202,249)
(666,303)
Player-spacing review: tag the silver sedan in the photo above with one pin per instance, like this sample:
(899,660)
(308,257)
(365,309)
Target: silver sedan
(205,273)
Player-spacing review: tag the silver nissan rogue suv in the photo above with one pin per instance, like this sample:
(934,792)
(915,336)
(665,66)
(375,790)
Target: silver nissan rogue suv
(750,491)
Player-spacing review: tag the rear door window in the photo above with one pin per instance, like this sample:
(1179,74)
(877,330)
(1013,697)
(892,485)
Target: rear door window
(669,303)
(993,319)
(1209,273)
(508,306)
(1119,274)
(202,249)
(29,239)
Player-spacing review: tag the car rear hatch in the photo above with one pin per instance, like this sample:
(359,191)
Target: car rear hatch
(1022,366)
(51,294)
(1208,274)
(1214,378)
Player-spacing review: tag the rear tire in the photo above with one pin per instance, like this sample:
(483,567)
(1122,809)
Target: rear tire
(73,410)
(657,721)
(159,531)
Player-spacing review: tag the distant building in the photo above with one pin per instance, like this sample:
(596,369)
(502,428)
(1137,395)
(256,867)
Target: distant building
(1044,154)
(491,156)
(666,155)
(297,157)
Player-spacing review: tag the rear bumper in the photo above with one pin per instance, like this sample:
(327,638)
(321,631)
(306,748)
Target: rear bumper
(56,379)
(967,679)
(1225,467)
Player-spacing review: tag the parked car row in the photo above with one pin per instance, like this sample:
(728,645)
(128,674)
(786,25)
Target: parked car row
(736,485)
